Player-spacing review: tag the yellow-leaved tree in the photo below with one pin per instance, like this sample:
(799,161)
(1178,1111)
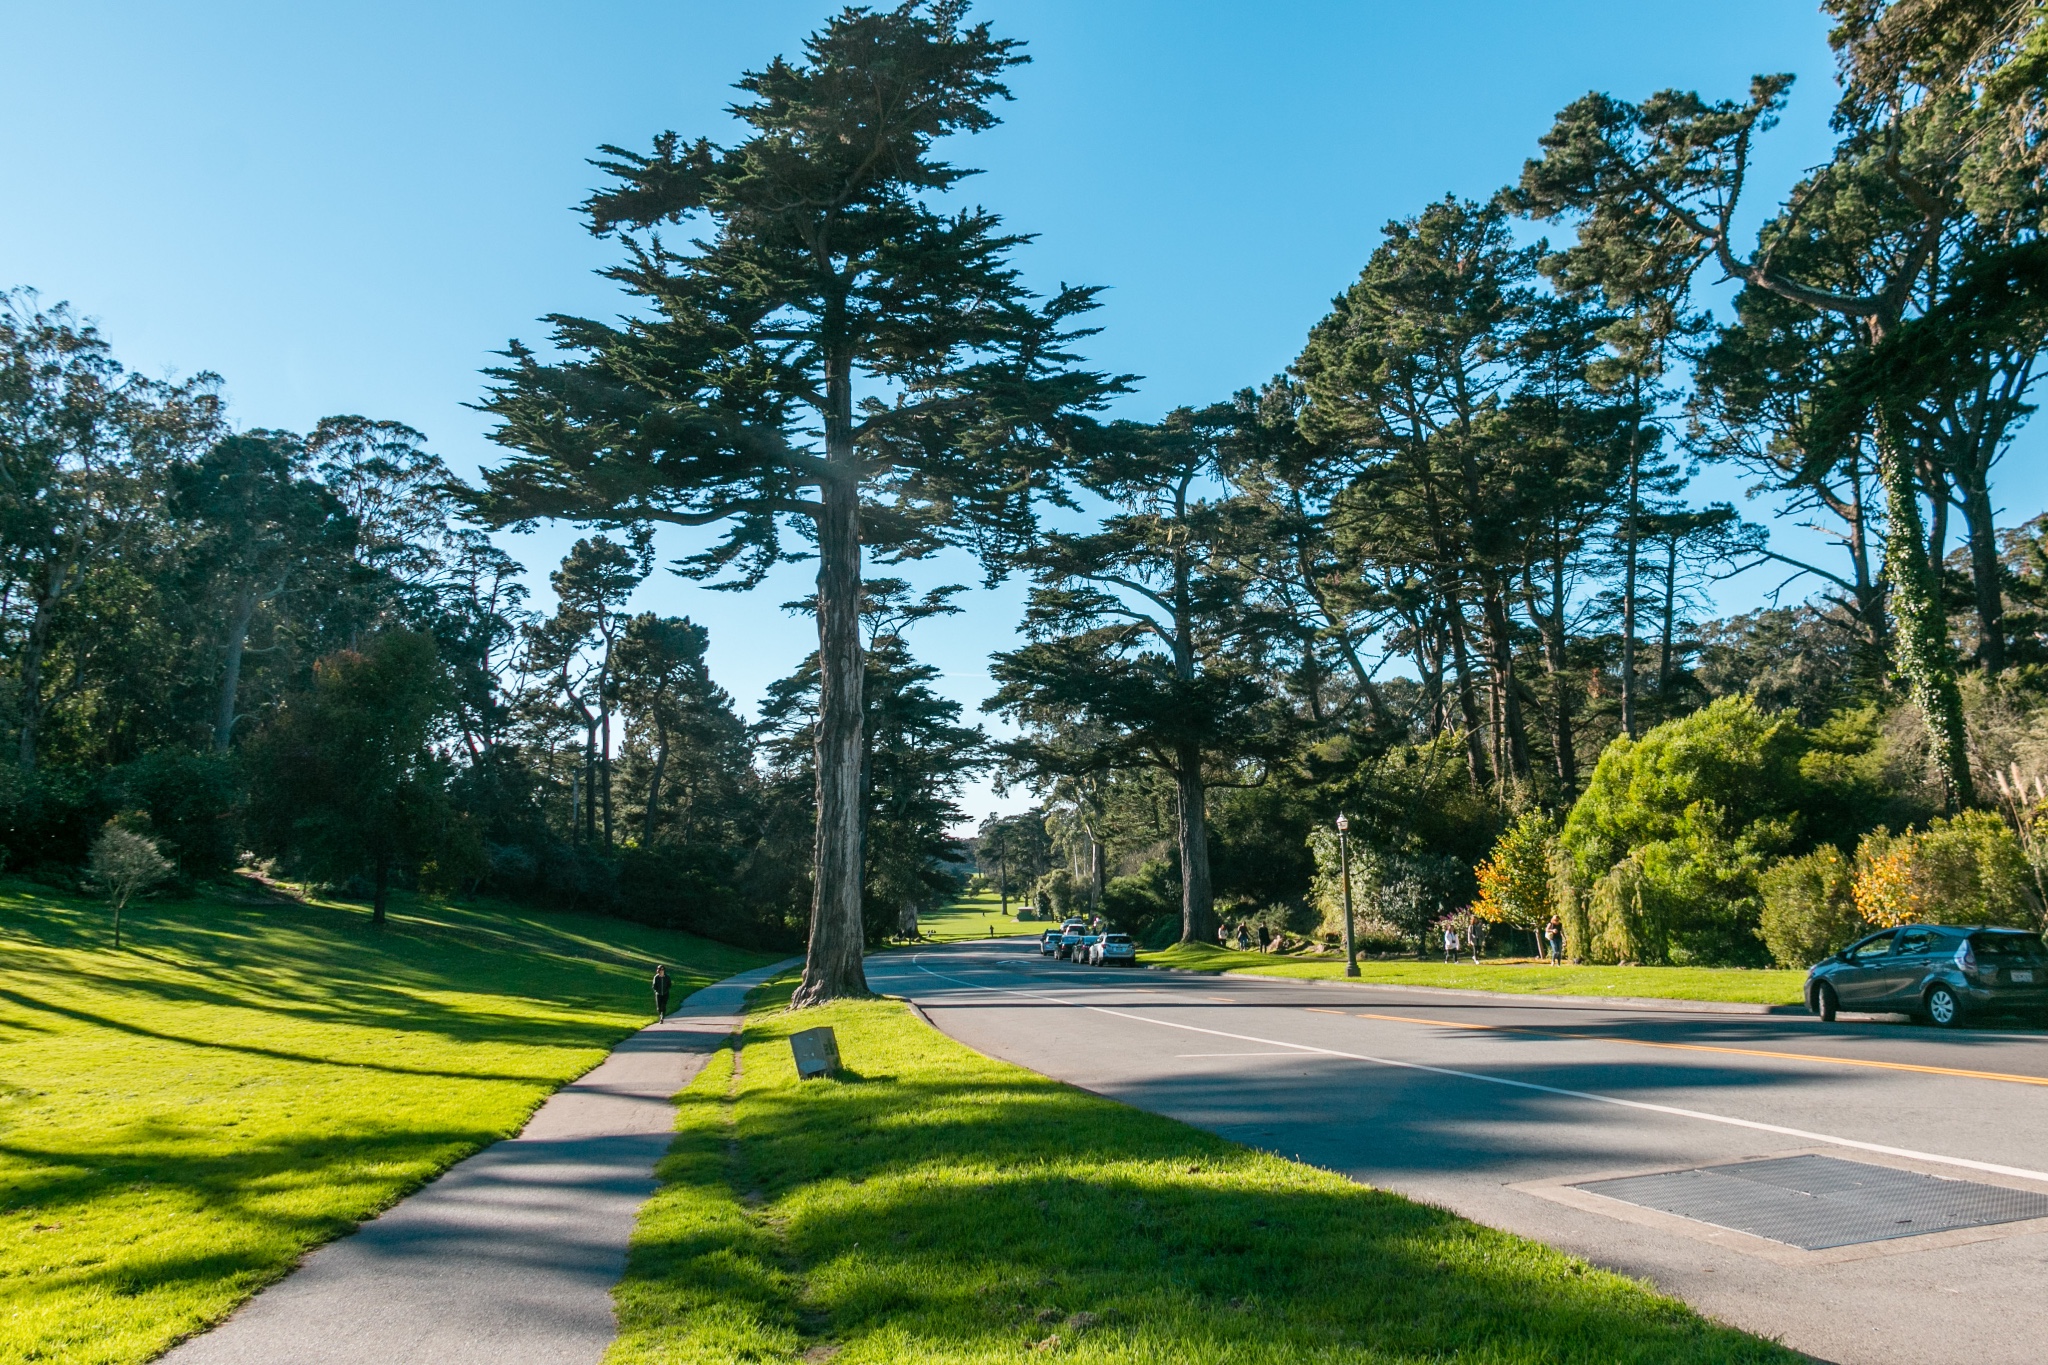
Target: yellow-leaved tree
(1515,880)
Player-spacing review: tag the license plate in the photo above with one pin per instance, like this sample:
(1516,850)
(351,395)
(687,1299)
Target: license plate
(2022,977)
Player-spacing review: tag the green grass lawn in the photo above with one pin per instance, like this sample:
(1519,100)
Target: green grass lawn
(1524,975)
(974,916)
(940,1206)
(181,1118)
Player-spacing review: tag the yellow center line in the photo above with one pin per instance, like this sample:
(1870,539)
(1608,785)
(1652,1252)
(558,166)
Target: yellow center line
(2005,1076)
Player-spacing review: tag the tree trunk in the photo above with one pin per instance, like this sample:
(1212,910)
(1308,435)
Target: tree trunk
(1670,609)
(1557,660)
(32,651)
(231,670)
(654,785)
(1095,871)
(1468,705)
(1986,577)
(1513,743)
(832,963)
(383,890)
(604,768)
(590,782)
(1628,581)
(1197,896)
(1921,642)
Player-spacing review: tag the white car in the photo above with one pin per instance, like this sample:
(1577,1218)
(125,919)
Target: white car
(1114,950)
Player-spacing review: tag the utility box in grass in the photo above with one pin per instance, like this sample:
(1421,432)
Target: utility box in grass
(817,1052)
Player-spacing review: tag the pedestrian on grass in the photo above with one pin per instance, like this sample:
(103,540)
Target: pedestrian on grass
(660,992)
(1478,937)
(1553,941)
(1450,943)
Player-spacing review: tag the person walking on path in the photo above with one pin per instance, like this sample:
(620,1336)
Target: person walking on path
(660,991)
(1477,940)
(1450,943)
(1553,935)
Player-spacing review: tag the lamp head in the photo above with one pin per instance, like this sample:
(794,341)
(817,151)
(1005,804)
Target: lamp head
(1342,824)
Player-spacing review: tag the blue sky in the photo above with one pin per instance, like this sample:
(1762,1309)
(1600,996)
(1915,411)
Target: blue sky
(347,208)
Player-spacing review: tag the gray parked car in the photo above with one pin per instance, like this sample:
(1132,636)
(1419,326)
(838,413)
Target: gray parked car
(1936,972)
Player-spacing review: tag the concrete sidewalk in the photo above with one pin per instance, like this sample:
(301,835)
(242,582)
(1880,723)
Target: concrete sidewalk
(510,1257)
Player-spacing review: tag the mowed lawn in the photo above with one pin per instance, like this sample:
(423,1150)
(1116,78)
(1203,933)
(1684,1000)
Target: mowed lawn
(977,916)
(937,1206)
(1526,976)
(181,1118)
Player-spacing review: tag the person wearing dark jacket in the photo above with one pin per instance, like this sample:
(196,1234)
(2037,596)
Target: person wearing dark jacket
(661,992)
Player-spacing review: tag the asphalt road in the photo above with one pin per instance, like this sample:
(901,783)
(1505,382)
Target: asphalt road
(1496,1106)
(510,1257)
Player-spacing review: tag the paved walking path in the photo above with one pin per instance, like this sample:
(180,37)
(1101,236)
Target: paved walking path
(510,1257)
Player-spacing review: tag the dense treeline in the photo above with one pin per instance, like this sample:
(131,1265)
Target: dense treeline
(294,648)
(1447,574)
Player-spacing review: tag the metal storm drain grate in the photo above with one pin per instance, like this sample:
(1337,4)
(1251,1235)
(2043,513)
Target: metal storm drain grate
(1817,1202)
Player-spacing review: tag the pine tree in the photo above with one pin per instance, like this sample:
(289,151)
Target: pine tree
(831,353)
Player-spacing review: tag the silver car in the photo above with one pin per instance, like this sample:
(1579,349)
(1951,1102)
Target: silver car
(1115,950)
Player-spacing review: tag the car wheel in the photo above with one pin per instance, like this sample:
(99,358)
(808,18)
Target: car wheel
(1943,1009)
(1825,1002)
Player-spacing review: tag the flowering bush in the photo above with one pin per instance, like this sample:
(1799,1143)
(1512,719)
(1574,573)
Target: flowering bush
(1966,870)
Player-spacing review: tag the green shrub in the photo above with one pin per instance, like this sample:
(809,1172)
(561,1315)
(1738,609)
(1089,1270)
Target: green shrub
(1568,894)
(192,804)
(1621,919)
(1728,761)
(1967,870)
(1698,806)
(1701,888)
(1145,903)
(1808,909)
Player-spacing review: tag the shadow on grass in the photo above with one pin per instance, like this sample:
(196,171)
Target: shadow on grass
(325,965)
(34,1004)
(249,1180)
(964,1209)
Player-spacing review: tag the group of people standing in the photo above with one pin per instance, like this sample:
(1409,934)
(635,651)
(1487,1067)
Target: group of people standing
(1474,938)
(1244,936)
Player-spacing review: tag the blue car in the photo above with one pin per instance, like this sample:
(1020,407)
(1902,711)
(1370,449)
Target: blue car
(1936,972)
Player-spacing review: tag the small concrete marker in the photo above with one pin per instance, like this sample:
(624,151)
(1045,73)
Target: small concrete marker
(816,1051)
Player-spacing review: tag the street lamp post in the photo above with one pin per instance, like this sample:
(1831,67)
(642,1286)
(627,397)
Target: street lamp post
(1344,864)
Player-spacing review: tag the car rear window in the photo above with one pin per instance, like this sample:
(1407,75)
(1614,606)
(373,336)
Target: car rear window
(1116,938)
(2010,946)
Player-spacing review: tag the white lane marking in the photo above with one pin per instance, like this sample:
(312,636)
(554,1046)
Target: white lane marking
(1232,1054)
(1908,1153)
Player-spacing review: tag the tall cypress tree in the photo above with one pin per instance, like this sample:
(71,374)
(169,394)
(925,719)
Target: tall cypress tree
(830,354)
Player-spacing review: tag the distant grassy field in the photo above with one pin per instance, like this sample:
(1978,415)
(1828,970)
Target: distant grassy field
(975,916)
(181,1119)
(937,1206)
(1735,984)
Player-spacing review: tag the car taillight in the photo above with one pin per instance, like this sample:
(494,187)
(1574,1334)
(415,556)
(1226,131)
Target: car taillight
(1966,957)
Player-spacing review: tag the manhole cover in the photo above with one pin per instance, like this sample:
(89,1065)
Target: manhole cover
(1817,1202)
